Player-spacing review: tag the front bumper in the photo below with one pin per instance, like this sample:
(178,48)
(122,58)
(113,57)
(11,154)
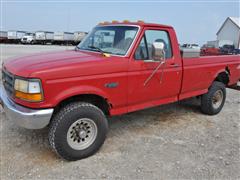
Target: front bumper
(22,116)
(25,41)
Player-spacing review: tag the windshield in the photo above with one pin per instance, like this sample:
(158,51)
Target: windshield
(29,34)
(109,39)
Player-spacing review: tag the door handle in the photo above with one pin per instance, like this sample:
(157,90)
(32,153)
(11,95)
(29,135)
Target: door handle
(175,65)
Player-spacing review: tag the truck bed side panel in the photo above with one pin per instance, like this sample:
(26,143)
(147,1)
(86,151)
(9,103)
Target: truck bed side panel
(199,73)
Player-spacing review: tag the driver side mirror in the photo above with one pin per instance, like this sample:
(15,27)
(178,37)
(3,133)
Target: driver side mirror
(158,52)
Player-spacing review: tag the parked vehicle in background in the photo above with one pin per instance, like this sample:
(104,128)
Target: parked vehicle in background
(193,46)
(3,36)
(28,38)
(227,49)
(15,36)
(63,38)
(117,69)
(190,50)
(44,37)
(236,51)
(78,36)
(209,50)
(219,43)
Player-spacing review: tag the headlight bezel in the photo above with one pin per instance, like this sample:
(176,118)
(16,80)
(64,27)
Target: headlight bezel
(28,80)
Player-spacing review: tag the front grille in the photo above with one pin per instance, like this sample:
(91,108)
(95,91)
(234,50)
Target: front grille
(8,82)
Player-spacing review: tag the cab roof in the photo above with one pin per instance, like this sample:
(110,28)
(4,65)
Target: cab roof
(138,23)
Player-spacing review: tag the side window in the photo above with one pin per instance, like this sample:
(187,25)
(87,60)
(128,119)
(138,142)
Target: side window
(141,52)
(155,36)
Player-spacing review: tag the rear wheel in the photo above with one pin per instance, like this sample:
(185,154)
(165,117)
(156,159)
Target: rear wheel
(213,101)
(78,131)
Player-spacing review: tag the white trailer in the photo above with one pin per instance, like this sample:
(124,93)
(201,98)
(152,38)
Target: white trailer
(3,36)
(15,36)
(43,37)
(78,36)
(63,38)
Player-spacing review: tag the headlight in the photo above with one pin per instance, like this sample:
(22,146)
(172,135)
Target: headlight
(29,90)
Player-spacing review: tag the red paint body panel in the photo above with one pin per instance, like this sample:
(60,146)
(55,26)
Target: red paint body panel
(70,73)
(155,91)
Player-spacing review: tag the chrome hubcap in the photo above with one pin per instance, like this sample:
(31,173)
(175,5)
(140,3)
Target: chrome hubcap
(217,99)
(81,134)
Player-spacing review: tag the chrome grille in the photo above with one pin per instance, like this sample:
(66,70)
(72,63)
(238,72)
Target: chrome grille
(8,82)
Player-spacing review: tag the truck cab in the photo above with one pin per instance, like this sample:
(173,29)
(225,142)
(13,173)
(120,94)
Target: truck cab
(28,38)
(119,67)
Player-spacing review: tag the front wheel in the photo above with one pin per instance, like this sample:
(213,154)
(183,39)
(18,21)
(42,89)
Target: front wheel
(212,102)
(77,131)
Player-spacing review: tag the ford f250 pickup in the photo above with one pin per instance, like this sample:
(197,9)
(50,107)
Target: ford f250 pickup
(120,67)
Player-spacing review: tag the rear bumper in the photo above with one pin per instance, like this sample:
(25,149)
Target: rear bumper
(22,116)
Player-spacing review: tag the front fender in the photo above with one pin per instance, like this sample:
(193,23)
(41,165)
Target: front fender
(79,90)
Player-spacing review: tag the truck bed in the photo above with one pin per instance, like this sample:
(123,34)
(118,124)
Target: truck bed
(203,70)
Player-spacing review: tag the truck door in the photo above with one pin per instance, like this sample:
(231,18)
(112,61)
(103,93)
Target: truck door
(164,86)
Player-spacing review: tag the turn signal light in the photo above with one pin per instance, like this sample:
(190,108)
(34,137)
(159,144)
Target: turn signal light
(103,23)
(36,97)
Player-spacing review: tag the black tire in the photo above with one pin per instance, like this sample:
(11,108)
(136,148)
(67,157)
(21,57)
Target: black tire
(62,122)
(207,105)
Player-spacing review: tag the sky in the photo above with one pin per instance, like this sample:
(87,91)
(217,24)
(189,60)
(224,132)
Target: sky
(194,21)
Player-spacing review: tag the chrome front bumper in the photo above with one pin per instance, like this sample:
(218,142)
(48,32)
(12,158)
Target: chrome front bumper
(22,116)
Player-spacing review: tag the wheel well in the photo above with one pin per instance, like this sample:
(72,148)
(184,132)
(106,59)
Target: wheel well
(223,77)
(96,100)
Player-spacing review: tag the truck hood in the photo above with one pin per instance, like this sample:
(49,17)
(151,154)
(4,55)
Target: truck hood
(27,36)
(29,66)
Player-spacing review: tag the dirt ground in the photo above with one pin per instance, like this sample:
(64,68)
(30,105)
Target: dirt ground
(173,141)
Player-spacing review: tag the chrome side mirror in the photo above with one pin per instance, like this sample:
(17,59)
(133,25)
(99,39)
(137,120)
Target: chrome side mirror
(158,52)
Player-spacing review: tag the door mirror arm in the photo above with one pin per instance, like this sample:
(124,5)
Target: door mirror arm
(159,55)
(162,62)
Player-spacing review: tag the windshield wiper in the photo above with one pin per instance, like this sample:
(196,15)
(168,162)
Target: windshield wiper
(97,48)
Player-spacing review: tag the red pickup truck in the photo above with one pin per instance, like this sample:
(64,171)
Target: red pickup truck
(118,68)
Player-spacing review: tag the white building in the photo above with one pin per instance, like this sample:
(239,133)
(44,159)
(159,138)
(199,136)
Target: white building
(230,31)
